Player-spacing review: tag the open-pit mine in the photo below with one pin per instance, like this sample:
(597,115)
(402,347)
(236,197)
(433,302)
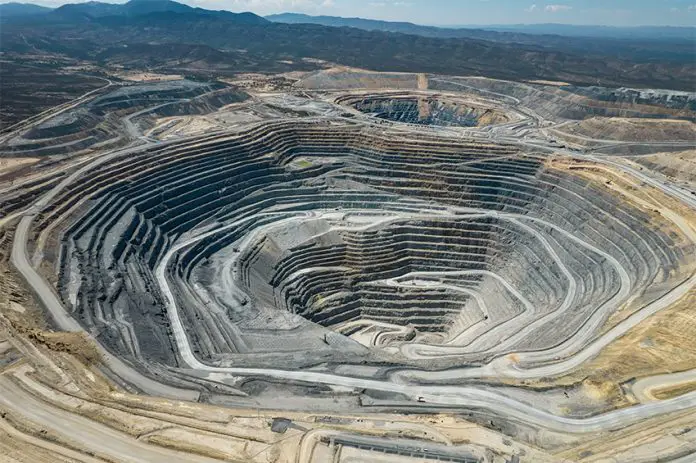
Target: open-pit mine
(343,266)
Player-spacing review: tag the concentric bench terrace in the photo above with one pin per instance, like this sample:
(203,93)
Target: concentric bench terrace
(278,235)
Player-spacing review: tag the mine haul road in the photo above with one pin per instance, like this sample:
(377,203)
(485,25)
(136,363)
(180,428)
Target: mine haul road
(52,303)
(644,388)
(92,436)
(458,396)
(24,125)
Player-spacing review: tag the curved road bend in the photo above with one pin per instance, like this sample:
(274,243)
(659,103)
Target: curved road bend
(461,396)
(52,303)
(644,388)
(52,112)
(442,395)
(91,435)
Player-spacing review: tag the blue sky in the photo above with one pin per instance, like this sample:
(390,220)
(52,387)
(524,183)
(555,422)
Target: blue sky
(461,12)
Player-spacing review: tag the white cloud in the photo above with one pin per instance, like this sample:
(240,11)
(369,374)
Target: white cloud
(392,4)
(531,8)
(557,8)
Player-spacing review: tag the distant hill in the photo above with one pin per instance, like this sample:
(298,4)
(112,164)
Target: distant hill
(368,25)
(179,39)
(570,30)
(647,44)
(13,10)
(132,8)
(88,9)
(136,8)
(493,31)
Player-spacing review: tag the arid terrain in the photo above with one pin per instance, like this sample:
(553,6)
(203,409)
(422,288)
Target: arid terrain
(347,266)
(323,263)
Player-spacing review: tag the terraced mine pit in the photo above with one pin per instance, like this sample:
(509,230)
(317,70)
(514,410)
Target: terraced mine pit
(320,252)
(576,103)
(426,110)
(337,243)
(117,116)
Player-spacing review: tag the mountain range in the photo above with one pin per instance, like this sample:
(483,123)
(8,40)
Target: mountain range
(171,35)
(133,8)
(13,9)
(489,31)
(642,44)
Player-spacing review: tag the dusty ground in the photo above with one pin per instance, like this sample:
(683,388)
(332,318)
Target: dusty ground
(633,130)
(147,76)
(663,343)
(184,431)
(11,164)
(674,391)
(344,77)
(674,434)
(679,166)
(549,82)
(13,168)
(62,371)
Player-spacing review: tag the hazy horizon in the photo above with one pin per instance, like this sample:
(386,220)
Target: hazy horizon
(466,13)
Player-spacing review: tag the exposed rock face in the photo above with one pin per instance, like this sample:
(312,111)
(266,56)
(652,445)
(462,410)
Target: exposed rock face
(303,243)
(112,119)
(430,111)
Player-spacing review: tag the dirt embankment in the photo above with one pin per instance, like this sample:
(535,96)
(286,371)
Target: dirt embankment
(632,130)
(679,166)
